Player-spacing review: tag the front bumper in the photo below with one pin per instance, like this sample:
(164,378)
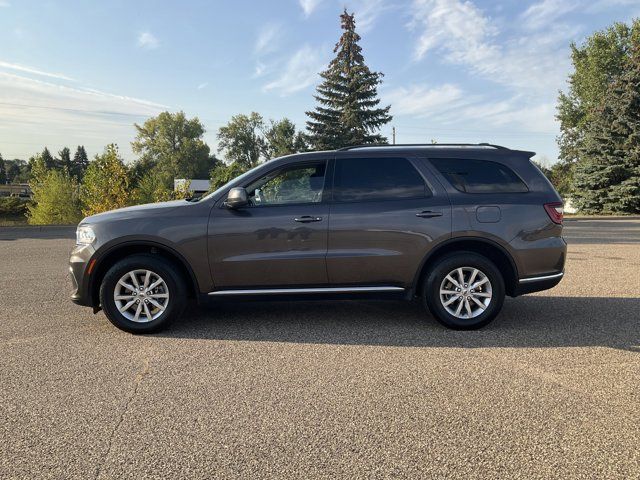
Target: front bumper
(81,262)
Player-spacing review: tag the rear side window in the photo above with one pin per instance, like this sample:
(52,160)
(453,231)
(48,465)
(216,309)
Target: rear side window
(479,176)
(361,179)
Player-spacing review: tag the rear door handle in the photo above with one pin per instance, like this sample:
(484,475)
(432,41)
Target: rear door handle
(308,219)
(428,214)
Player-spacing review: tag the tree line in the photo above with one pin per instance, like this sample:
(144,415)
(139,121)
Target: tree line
(599,114)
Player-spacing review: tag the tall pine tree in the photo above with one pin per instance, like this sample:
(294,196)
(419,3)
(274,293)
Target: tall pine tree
(607,179)
(80,163)
(348,112)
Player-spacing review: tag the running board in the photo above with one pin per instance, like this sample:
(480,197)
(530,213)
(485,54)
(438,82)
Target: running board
(278,291)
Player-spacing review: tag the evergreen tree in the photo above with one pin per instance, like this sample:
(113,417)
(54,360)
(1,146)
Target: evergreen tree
(348,112)
(607,178)
(106,183)
(80,163)
(3,171)
(47,158)
(64,159)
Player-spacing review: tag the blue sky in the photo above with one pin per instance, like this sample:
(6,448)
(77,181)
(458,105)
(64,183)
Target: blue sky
(82,72)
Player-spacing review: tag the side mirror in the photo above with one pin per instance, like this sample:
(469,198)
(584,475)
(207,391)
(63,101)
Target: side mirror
(237,198)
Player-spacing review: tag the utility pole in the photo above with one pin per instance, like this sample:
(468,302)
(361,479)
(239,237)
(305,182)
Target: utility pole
(393,130)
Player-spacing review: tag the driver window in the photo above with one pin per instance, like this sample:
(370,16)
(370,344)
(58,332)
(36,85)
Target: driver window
(296,184)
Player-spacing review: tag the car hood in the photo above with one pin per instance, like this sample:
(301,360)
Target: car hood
(147,209)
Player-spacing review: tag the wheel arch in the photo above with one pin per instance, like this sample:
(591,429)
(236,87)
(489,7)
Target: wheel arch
(126,249)
(485,247)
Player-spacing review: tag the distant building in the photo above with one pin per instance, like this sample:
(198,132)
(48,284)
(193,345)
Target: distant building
(21,190)
(197,187)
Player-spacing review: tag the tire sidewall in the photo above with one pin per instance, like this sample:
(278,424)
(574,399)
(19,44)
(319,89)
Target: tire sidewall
(431,290)
(142,262)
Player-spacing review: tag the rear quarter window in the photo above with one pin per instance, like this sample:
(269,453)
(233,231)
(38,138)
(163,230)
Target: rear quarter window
(479,176)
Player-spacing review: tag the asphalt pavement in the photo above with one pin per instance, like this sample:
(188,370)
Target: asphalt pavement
(350,389)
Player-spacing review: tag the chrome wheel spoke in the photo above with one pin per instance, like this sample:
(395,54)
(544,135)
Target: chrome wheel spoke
(124,297)
(479,303)
(146,280)
(482,294)
(158,295)
(460,277)
(450,301)
(480,283)
(448,292)
(138,310)
(454,282)
(156,304)
(147,312)
(134,280)
(459,309)
(155,284)
(129,287)
(467,307)
(473,276)
(127,306)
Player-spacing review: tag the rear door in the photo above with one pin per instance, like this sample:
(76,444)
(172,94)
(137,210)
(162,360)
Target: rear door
(386,214)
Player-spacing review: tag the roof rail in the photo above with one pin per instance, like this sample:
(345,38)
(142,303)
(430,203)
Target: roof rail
(376,145)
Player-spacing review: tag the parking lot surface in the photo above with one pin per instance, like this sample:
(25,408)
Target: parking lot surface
(347,389)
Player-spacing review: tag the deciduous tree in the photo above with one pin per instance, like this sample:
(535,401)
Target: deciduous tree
(106,183)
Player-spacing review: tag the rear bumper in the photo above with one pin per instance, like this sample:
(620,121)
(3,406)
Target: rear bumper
(538,283)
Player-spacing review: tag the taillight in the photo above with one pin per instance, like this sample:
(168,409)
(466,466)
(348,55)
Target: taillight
(555,211)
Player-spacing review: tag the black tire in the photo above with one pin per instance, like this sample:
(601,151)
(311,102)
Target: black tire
(437,274)
(174,283)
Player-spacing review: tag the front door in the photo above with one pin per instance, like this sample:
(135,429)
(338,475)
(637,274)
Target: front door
(280,238)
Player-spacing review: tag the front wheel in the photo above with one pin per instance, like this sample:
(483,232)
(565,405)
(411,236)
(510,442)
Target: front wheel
(142,294)
(464,291)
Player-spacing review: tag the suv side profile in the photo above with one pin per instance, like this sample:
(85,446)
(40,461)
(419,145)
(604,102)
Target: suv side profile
(456,226)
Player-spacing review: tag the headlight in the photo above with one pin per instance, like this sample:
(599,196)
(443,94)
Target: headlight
(85,235)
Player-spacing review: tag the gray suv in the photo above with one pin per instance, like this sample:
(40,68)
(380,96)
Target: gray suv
(457,226)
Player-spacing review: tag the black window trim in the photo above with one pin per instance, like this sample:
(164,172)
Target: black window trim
(428,189)
(448,182)
(325,187)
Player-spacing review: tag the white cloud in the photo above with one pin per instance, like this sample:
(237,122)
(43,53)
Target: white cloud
(308,6)
(300,72)
(462,34)
(422,100)
(203,85)
(267,39)
(46,113)
(4,3)
(367,12)
(260,70)
(148,41)
(34,71)
(542,13)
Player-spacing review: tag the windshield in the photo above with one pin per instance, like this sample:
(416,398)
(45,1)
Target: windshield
(226,185)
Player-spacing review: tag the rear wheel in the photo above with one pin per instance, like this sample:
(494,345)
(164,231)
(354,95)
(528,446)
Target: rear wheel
(464,291)
(142,294)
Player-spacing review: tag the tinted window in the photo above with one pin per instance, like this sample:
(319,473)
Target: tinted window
(358,179)
(295,184)
(479,176)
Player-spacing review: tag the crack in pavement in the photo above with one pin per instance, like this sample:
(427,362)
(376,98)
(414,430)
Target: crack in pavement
(137,381)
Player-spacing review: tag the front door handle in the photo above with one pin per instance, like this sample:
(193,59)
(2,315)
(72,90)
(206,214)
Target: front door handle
(308,219)
(428,214)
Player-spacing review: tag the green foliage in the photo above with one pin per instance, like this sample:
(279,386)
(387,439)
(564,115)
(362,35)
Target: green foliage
(348,112)
(106,183)
(241,139)
(281,138)
(222,173)
(607,177)
(55,196)
(152,188)
(172,144)
(17,171)
(13,207)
